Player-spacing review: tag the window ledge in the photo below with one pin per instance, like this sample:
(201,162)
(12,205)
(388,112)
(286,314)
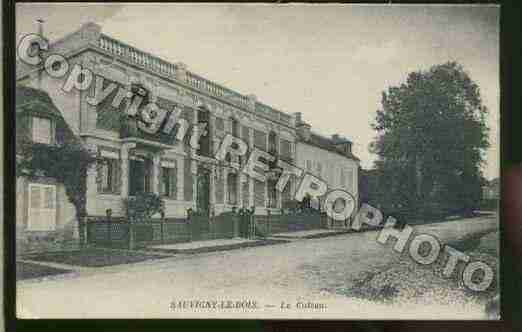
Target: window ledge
(109,194)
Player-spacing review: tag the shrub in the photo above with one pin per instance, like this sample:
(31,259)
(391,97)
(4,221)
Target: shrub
(143,206)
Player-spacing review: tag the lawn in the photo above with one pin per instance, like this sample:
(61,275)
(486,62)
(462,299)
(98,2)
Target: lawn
(31,271)
(93,257)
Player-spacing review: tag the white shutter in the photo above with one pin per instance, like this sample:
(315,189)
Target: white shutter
(42,207)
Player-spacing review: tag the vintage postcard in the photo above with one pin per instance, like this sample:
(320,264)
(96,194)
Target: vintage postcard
(257,161)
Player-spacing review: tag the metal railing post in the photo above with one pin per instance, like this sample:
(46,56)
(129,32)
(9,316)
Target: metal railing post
(251,223)
(162,221)
(268,213)
(131,236)
(190,224)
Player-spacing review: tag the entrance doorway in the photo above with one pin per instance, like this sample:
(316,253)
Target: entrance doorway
(140,176)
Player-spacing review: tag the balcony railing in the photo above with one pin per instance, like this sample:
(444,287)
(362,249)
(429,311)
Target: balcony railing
(136,56)
(217,90)
(170,70)
(273,113)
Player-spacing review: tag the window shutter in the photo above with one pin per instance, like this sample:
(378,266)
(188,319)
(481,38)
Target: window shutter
(52,132)
(286,149)
(35,207)
(173,178)
(220,125)
(287,192)
(117,175)
(245,134)
(28,128)
(161,179)
(188,181)
(260,140)
(259,193)
(245,194)
(219,187)
(228,126)
(100,176)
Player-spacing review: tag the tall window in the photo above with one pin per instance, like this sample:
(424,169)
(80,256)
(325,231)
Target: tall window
(168,182)
(140,176)
(235,128)
(110,174)
(235,133)
(272,143)
(319,169)
(272,193)
(285,150)
(232,188)
(204,141)
(219,124)
(42,130)
(260,140)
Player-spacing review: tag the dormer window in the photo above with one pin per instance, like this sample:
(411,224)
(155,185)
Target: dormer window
(42,131)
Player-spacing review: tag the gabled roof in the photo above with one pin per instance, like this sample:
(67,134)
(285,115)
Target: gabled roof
(35,101)
(326,143)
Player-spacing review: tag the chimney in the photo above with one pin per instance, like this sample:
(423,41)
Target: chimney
(342,144)
(298,118)
(304,130)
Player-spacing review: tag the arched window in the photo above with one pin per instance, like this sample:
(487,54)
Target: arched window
(232,188)
(205,148)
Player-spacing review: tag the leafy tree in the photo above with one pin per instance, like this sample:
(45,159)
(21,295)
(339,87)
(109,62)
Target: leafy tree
(431,136)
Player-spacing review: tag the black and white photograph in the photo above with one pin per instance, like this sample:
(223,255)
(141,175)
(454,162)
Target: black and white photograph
(257,161)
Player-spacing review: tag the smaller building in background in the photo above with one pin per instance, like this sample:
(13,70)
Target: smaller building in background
(330,159)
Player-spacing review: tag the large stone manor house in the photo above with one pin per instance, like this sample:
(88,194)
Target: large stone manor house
(135,162)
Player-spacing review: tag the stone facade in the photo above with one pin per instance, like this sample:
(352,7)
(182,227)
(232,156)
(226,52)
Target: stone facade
(169,85)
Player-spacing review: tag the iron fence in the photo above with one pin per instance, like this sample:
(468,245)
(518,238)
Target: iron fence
(118,233)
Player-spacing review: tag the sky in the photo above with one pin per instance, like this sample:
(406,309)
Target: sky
(330,62)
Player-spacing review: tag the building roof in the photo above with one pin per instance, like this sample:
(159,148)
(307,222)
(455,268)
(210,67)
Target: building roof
(35,101)
(326,143)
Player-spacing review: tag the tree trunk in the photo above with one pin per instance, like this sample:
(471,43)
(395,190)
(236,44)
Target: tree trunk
(81,212)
